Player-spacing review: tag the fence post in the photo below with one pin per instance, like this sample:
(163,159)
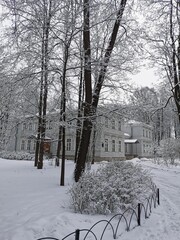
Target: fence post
(158,199)
(77,233)
(139,214)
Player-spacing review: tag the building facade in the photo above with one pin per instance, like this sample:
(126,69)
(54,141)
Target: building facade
(138,139)
(107,141)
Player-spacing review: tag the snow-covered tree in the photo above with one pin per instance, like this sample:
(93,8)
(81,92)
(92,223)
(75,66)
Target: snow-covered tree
(162,32)
(169,150)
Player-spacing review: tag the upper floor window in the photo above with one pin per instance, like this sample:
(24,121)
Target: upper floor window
(113,146)
(143,133)
(69,144)
(146,133)
(30,126)
(119,126)
(113,124)
(106,147)
(49,125)
(106,122)
(24,126)
(35,126)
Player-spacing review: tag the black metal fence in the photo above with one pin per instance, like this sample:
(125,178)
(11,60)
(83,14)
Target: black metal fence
(141,211)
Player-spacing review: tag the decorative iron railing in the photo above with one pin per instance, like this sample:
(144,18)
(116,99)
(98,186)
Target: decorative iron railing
(142,210)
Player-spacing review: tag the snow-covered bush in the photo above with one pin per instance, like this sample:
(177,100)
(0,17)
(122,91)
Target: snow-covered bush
(113,187)
(169,150)
(16,155)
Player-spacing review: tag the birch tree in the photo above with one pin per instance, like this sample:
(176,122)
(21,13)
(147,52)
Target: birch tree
(34,40)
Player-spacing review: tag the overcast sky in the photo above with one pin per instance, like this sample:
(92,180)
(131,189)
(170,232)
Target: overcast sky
(145,78)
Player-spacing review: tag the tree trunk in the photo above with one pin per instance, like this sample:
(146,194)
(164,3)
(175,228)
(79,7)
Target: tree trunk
(87,124)
(59,143)
(107,55)
(38,138)
(63,114)
(78,130)
(47,17)
(93,145)
(91,102)
(63,155)
(175,58)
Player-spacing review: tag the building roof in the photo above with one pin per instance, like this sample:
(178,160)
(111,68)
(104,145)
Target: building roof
(131,141)
(136,123)
(35,137)
(127,134)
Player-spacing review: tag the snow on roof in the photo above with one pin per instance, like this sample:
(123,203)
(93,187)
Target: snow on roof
(131,141)
(127,134)
(134,122)
(137,123)
(32,136)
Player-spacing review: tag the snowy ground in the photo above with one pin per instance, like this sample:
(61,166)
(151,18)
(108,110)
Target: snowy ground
(32,205)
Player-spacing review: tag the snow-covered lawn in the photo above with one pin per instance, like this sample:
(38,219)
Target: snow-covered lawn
(33,205)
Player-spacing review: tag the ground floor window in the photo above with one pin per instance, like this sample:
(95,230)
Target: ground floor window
(120,146)
(144,148)
(126,148)
(29,145)
(106,145)
(34,145)
(113,146)
(22,145)
(69,144)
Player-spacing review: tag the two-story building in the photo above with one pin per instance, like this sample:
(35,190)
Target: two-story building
(110,138)
(138,139)
(107,141)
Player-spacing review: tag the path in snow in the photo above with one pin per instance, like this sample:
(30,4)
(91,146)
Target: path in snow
(32,204)
(164,222)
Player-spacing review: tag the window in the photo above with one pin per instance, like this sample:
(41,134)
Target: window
(68,146)
(144,148)
(113,145)
(119,146)
(49,125)
(35,126)
(106,122)
(143,133)
(30,126)
(70,123)
(29,145)
(146,133)
(106,145)
(22,145)
(119,125)
(113,124)
(34,145)
(24,126)
(126,148)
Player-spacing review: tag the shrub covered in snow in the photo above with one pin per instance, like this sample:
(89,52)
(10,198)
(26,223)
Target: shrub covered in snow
(16,155)
(169,149)
(113,187)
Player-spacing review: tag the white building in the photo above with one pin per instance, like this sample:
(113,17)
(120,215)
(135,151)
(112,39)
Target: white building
(108,136)
(138,139)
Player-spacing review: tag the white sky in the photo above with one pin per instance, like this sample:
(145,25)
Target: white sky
(145,78)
